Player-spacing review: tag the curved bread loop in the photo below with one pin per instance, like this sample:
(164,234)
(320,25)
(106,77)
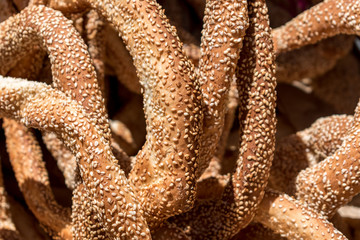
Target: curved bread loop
(306,62)
(64,158)
(164,172)
(72,70)
(326,19)
(257,97)
(33,179)
(78,79)
(223,218)
(293,219)
(28,165)
(25,68)
(66,161)
(225,23)
(325,136)
(306,148)
(333,182)
(38,105)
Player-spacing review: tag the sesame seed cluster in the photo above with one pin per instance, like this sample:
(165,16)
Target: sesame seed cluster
(119,121)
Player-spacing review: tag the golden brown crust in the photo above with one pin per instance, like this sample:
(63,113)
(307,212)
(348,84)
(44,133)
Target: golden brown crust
(164,172)
(178,12)
(93,33)
(35,2)
(333,182)
(160,189)
(86,226)
(212,170)
(78,80)
(40,22)
(28,101)
(222,219)
(225,23)
(33,179)
(28,165)
(325,136)
(125,162)
(326,19)
(293,219)
(306,62)
(25,67)
(257,97)
(307,148)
